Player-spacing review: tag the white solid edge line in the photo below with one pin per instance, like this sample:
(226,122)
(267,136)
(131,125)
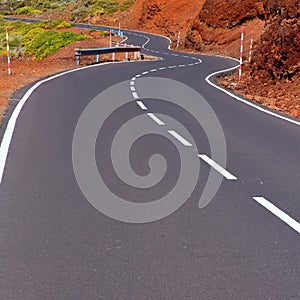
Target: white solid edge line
(7,137)
(125,39)
(180,138)
(132,88)
(274,114)
(278,213)
(156,119)
(141,105)
(148,40)
(217,167)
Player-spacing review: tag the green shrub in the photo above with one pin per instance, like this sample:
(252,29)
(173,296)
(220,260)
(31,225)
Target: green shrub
(27,10)
(125,4)
(15,42)
(4,12)
(3,51)
(104,33)
(40,42)
(90,8)
(36,40)
(59,24)
(54,5)
(109,6)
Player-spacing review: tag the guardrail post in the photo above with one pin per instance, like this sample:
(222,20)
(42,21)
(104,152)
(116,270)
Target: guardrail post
(78,60)
(126,54)
(96,52)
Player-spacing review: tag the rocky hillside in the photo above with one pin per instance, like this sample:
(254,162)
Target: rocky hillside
(209,26)
(215,25)
(278,54)
(218,23)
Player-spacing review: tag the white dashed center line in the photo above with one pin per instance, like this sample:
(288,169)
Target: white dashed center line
(141,105)
(278,213)
(135,95)
(217,167)
(181,139)
(261,200)
(156,119)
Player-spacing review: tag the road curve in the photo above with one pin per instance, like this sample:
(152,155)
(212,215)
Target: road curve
(242,243)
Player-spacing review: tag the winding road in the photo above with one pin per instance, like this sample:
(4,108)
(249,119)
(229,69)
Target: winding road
(222,175)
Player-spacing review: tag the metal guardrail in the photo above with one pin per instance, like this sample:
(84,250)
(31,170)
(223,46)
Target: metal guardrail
(118,32)
(100,51)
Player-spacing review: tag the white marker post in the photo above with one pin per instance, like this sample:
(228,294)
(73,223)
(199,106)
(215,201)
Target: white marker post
(8,52)
(110,38)
(251,50)
(241,54)
(113,56)
(178,40)
(134,54)
(126,54)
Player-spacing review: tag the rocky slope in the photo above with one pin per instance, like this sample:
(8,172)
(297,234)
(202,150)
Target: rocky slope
(277,56)
(214,26)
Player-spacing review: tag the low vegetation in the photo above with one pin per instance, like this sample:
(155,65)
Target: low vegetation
(79,11)
(36,40)
(40,40)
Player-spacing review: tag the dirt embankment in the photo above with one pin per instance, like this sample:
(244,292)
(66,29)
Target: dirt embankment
(210,26)
(214,27)
(26,70)
(273,77)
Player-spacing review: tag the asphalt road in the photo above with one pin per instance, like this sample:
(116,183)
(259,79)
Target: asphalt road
(55,241)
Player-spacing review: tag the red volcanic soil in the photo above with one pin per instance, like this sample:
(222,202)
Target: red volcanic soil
(214,27)
(25,70)
(207,26)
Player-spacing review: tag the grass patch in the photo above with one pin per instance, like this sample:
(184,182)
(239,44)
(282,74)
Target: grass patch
(26,11)
(125,4)
(36,40)
(40,43)
(91,8)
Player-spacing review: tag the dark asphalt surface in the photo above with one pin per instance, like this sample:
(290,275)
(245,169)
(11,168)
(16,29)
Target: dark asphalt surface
(55,245)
